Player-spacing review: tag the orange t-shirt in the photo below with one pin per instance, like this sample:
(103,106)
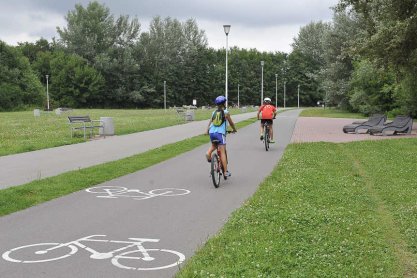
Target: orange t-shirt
(267,111)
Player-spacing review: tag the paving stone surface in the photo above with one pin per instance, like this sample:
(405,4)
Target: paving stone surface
(319,129)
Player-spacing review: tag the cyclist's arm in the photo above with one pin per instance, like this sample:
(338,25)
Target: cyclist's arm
(232,124)
(208,127)
(259,111)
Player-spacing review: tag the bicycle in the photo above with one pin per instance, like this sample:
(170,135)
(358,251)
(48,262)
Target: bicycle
(266,135)
(46,252)
(217,169)
(113,192)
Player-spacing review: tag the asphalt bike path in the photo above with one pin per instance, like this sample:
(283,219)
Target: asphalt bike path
(143,224)
(25,167)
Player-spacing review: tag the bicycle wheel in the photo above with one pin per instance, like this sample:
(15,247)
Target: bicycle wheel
(169,191)
(107,189)
(159,259)
(34,253)
(215,170)
(266,138)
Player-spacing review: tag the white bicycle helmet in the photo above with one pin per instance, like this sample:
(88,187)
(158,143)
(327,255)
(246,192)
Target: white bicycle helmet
(267,99)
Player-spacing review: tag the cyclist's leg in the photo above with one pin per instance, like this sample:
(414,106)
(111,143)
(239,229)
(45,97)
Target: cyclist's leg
(211,148)
(271,132)
(222,149)
(262,130)
(223,158)
(209,152)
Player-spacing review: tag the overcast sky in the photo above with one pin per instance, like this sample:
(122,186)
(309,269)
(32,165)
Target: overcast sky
(267,25)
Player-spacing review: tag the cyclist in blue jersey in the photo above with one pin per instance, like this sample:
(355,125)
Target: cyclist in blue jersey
(217,129)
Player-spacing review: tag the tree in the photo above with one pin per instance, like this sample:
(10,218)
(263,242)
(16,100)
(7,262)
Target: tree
(32,50)
(19,86)
(74,83)
(107,45)
(390,27)
(311,42)
(389,41)
(172,51)
(90,31)
(372,88)
(338,68)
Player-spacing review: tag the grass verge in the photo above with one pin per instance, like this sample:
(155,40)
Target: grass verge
(330,113)
(23,196)
(327,210)
(22,132)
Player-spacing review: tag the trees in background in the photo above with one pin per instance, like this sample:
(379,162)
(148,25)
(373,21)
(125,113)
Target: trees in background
(364,60)
(103,61)
(386,43)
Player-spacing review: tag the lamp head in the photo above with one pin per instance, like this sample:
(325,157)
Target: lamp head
(226,29)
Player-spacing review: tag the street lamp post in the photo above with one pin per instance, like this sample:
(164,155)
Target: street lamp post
(165,95)
(262,82)
(238,101)
(298,95)
(285,83)
(276,90)
(226,31)
(283,76)
(47,90)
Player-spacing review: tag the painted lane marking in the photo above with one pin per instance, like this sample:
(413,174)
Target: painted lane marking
(136,258)
(113,192)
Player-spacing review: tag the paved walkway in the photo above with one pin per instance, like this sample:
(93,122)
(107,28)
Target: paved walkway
(113,229)
(316,129)
(25,167)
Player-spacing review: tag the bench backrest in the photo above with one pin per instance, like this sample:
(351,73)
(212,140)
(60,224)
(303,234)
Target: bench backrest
(73,119)
(401,121)
(377,119)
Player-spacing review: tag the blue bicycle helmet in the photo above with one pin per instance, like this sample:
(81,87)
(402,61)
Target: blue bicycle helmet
(220,100)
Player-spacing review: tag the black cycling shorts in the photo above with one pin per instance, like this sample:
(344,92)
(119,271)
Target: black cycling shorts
(270,122)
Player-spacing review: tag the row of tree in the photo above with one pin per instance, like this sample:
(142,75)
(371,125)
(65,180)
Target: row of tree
(366,57)
(102,61)
(364,60)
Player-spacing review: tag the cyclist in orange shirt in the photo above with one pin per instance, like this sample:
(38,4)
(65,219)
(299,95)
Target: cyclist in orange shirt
(268,115)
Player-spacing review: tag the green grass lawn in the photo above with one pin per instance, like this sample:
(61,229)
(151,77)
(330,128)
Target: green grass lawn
(22,132)
(327,210)
(330,113)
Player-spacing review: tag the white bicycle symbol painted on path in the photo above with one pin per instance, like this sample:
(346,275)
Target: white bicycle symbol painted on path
(139,258)
(113,192)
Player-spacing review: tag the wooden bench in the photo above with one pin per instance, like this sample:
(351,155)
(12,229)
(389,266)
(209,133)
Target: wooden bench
(84,123)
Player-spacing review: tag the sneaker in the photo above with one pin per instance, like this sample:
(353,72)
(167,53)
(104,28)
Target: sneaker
(227,174)
(262,137)
(208,158)
(271,141)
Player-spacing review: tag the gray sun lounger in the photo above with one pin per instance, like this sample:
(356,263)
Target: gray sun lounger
(401,124)
(374,120)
